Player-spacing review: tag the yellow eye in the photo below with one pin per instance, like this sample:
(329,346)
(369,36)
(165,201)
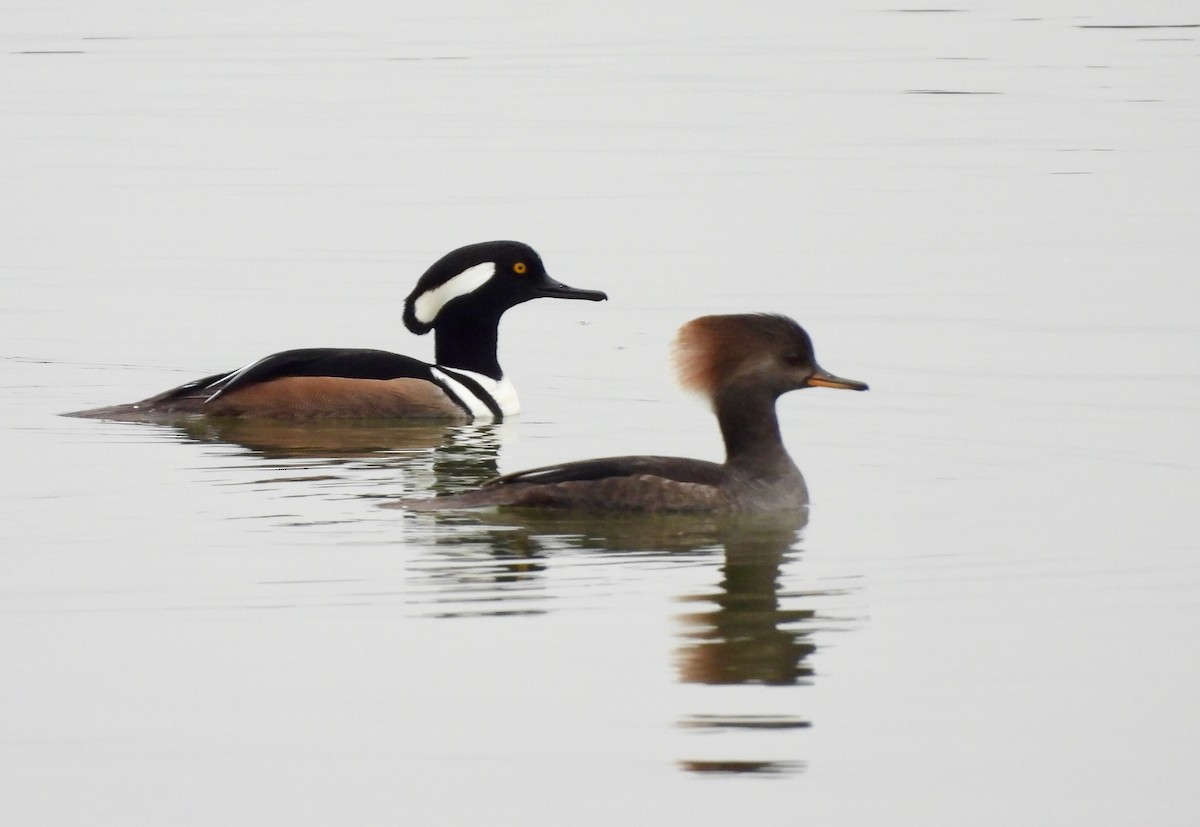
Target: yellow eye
(519,268)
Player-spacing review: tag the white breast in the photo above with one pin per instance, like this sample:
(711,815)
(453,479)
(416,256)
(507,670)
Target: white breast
(502,392)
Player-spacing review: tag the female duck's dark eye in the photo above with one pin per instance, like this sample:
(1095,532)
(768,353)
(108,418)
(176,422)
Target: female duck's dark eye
(794,358)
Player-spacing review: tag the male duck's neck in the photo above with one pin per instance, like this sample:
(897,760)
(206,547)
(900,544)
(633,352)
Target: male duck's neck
(468,344)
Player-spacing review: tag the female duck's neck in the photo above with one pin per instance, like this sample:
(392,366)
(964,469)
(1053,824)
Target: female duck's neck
(750,429)
(468,344)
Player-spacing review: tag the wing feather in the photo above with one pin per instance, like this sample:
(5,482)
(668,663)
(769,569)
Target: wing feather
(678,469)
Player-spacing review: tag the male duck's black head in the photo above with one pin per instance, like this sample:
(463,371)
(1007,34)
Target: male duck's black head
(477,283)
(464,294)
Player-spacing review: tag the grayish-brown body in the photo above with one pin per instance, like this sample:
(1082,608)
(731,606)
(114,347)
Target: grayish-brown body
(743,363)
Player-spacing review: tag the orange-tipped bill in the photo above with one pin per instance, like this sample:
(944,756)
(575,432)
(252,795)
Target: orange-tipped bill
(824,379)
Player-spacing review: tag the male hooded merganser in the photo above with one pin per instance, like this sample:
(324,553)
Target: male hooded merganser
(743,363)
(461,298)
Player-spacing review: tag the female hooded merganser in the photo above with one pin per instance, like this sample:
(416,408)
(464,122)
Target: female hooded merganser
(461,298)
(743,363)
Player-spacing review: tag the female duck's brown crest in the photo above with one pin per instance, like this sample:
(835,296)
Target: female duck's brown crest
(713,349)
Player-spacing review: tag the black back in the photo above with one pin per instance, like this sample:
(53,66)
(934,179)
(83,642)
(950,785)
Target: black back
(345,363)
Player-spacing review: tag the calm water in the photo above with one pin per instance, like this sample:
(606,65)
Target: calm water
(988,614)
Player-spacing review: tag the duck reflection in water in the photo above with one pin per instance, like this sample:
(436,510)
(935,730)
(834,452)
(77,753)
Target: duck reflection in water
(446,457)
(743,630)
(750,633)
(745,636)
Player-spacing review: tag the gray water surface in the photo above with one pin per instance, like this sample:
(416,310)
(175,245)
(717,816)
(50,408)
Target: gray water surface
(988,614)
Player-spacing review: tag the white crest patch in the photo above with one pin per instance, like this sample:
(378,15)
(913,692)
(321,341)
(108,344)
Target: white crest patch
(502,392)
(431,302)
